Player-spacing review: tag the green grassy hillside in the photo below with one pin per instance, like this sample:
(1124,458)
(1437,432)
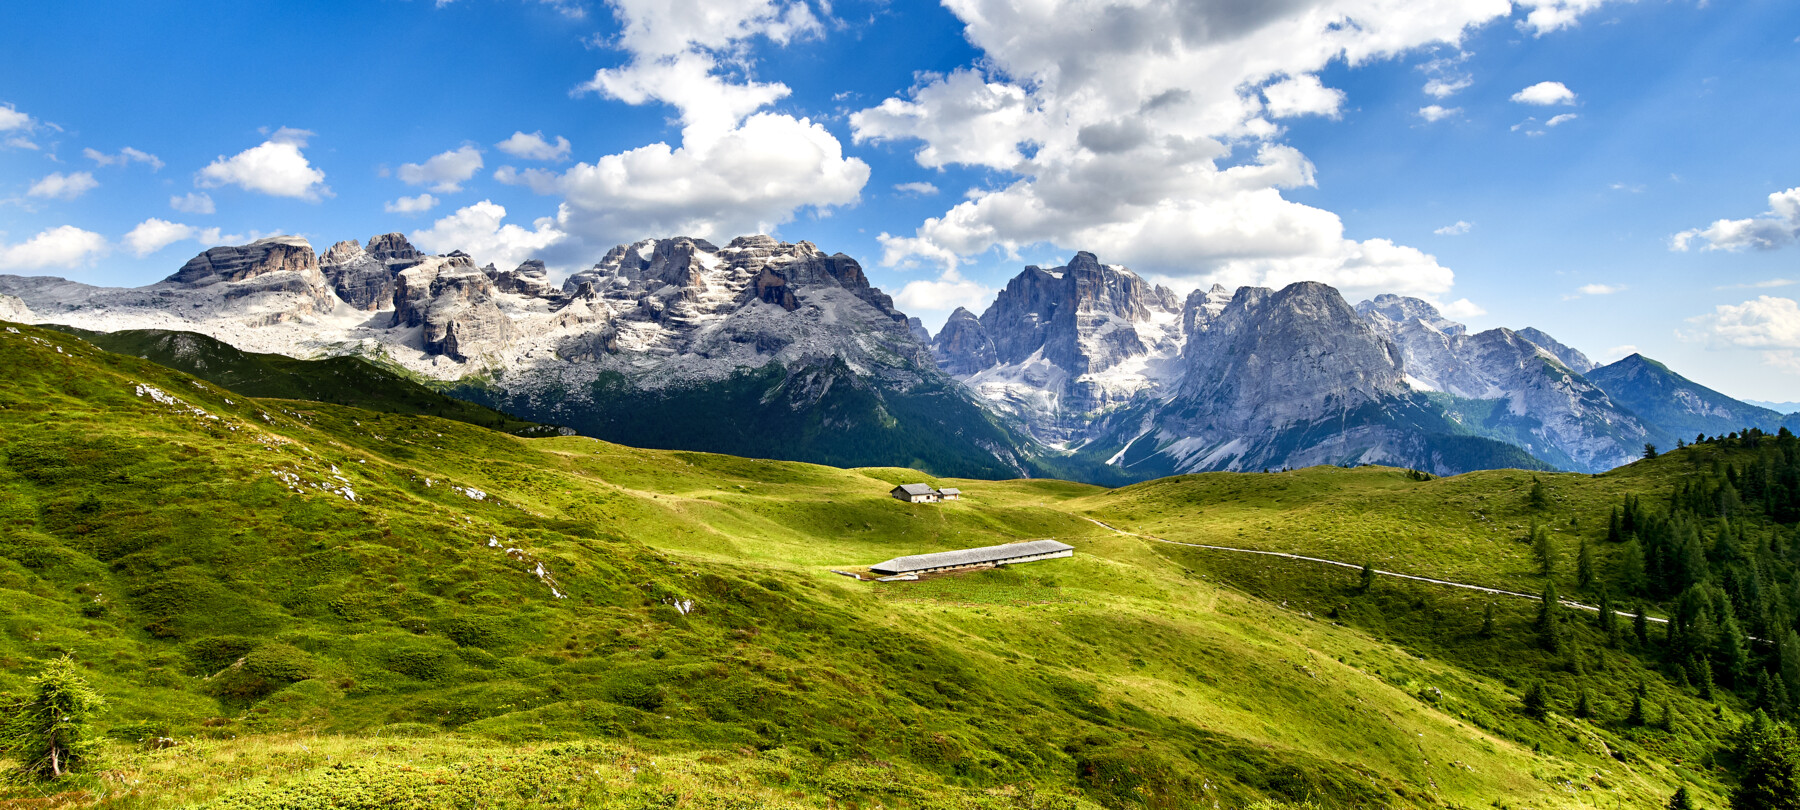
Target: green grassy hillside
(327,606)
(351,381)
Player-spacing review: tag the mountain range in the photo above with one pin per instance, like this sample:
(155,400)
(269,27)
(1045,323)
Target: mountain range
(780,350)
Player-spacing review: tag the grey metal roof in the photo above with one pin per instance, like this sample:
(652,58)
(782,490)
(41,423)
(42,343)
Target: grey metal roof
(949,491)
(969,556)
(916,489)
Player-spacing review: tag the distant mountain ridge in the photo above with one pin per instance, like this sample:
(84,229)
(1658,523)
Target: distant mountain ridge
(781,350)
(1255,378)
(758,347)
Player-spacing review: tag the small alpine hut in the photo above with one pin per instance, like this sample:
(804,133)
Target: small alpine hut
(949,494)
(915,493)
(984,557)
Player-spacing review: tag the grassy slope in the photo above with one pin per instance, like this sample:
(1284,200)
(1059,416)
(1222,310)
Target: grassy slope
(156,545)
(351,381)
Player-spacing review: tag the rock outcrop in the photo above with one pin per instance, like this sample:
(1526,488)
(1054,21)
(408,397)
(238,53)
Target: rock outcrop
(1550,408)
(1057,346)
(453,303)
(13,309)
(358,277)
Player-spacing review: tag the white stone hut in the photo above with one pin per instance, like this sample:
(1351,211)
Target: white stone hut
(915,493)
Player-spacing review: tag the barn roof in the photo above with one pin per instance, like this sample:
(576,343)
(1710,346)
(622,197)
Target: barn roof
(916,489)
(969,556)
(949,491)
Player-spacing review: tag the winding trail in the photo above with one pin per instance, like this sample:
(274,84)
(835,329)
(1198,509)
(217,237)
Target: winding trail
(1354,566)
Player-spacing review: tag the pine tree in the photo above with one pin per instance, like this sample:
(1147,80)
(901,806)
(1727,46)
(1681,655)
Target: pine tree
(1549,621)
(1538,498)
(1543,549)
(1640,625)
(1584,565)
(1615,533)
(1769,778)
(1367,580)
(1636,717)
(1536,701)
(1667,721)
(1608,617)
(1584,704)
(1649,450)
(49,731)
(1681,800)
(1487,621)
(1705,673)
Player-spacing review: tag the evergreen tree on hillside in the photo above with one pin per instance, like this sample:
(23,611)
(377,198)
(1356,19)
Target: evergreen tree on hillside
(1649,450)
(49,732)
(1549,621)
(1640,625)
(1543,549)
(1487,621)
(1537,498)
(1536,701)
(1366,580)
(1615,532)
(1769,774)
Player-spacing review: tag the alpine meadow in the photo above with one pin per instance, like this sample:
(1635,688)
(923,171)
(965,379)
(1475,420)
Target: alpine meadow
(871,405)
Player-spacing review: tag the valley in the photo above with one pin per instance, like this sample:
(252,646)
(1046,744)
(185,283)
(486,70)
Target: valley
(320,603)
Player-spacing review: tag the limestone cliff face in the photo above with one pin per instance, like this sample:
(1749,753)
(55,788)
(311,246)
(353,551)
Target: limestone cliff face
(963,347)
(269,280)
(530,278)
(1278,357)
(1059,345)
(1547,406)
(453,302)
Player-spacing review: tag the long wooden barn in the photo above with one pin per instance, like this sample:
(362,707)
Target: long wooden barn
(975,557)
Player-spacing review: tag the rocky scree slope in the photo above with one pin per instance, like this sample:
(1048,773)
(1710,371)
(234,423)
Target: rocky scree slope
(759,347)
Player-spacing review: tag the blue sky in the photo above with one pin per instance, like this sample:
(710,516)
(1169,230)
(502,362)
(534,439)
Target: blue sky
(1378,145)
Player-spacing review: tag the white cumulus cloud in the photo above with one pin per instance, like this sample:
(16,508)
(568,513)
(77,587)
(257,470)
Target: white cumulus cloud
(1433,113)
(1544,94)
(193,202)
(737,168)
(943,295)
(65,246)
(1767,322)
(916,189)
(481,231)
(1147,133)
(1302,95)
(59,186)
(535,147)
(11,119)
(411,205)
(276,167)
(444,172)
(1777,227)
(154,234)
(1554,15)
(125,156)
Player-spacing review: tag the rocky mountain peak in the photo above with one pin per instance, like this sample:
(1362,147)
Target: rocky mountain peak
(530,278)
(275,254)
(393,250)
(1402,310)
(963,347)
(1575,360)
(1281,357)
(1202,306)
